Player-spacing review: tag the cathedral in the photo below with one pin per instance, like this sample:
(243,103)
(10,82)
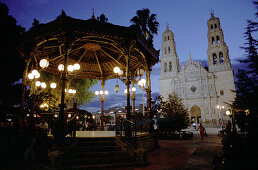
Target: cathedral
(207,92)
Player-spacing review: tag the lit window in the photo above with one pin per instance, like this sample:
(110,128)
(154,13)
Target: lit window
(221,58)
(218,40)
(215,60)
(212,40)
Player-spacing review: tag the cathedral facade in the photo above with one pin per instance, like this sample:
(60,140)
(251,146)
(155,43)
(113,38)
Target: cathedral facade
(206,92)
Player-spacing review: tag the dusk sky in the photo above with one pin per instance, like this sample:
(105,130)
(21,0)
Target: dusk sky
(186,18)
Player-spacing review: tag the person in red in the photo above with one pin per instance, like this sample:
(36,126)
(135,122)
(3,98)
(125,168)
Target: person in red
(202,130)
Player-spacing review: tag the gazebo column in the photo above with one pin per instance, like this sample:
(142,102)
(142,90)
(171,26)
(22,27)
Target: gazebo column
(24,84)
(128,132)
(148,91)
(133,98)
(61,123)
(102,99)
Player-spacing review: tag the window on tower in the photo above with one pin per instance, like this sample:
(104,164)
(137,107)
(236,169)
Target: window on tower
(211,27)
(170,66)
(165,67)
(168,49)
(215,26)
(168,37)
(212,40)
(215,60)
(218,40)
(221,58)
(165,50)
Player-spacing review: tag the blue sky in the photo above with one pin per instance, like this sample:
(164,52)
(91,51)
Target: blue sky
(186,18)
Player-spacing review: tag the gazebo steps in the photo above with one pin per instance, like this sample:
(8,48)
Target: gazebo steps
(97,153)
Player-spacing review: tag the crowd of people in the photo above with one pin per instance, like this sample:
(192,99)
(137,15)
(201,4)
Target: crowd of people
(23,142)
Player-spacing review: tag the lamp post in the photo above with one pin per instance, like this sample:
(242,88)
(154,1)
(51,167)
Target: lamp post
(102,98)
(220,108)
(231,113)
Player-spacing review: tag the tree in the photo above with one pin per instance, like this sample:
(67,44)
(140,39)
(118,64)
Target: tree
(11,63)
(52,97)
(146,23)
(176,116)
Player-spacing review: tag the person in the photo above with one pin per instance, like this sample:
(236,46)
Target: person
(43,126)
(202,130)
(228,128)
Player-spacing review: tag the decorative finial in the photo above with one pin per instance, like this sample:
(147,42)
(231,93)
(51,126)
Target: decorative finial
(190,56)
(93,17)
(212,12)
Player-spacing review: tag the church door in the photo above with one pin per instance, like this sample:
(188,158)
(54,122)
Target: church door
(195,114)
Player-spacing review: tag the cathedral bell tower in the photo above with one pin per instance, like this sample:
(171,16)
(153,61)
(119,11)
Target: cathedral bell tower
(169,60)
(218,56)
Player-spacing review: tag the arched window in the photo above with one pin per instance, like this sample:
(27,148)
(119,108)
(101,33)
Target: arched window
(212,40)
(211,27)
(165,50)
(215,60)
(215,26)
(165,67)
(168,49)
(165,38)
(221,58)
(170,66)
(218,40)
(168,37)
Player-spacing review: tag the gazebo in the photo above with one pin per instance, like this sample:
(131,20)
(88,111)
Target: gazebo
(98,47)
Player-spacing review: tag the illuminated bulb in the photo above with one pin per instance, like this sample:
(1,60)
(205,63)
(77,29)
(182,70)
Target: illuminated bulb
(93,116)
(43,85)
(38,83)
(77,117)
(101,92)
(116,70)
(37,75)
(53,85)
(70,68)
(106,92)
(30,76)
(133,89)
(70,91)
(69,115)
(125,91)
(61,67)
(120,73)
(43,63)
(34,72)
(96,93)
(74,91)
(76,66)
(55,115)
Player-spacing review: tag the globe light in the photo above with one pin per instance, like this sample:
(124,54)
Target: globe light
(228,112)
(93,116)
(76,66)
(43,63)
(35,72)
(43,85)
(133,89)
(30,76)
(101,92)
(69,115)
(70,68)
(223,107)
(55,115)
(218,106)
(116,70)
(77,117)
(120,73)
(125,91)
(53,85)
(106,92)
(38,83)
(37,75)
(65,90)
(74,91)
(96,93)
(61,67)
(70,91)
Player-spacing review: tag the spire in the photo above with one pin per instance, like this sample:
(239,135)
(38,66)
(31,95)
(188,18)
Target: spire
(93,17)
(212,13)
(190,56)
(167,27)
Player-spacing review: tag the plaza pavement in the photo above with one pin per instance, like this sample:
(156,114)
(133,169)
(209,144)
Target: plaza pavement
(193,154)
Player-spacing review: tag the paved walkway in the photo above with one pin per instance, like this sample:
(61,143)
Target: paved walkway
(186,154)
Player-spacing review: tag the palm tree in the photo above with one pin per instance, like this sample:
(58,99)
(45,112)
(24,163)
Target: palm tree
(146,23)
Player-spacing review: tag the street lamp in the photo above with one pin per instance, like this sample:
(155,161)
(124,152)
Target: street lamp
(141,84)
(102,98)
(220,109)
